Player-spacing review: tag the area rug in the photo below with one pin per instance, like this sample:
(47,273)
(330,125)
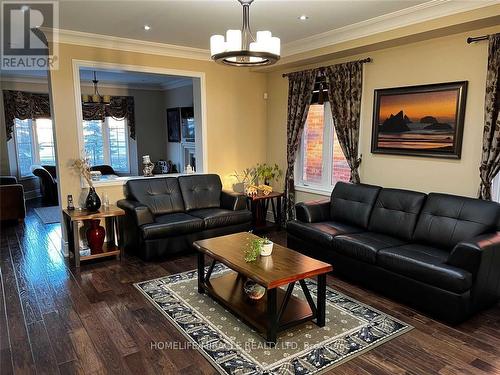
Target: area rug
(232,347)
(49,215)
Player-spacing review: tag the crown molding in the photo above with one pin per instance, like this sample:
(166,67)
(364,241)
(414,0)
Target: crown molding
(416,14)
(25,79)
(131,45)
(177,83)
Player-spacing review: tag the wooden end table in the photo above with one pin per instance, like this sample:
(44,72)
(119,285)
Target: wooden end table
(111,248)
(259,205)
(278,309)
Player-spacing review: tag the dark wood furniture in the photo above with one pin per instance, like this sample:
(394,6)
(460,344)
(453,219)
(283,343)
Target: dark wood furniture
(110,215)
(259,205)
(278,309)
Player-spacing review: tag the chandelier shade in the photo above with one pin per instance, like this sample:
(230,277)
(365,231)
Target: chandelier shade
(240,48)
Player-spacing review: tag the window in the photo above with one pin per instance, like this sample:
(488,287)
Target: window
(321,162)
(107,143)
(34,141)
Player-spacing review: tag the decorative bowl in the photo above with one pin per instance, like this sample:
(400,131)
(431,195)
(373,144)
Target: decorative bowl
(253,290)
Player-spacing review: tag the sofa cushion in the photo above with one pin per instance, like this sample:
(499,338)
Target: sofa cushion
(322,232)
(425,264)
(352,203)
(170,225)
(396,212)
(220,217)
(447,220)
(161,195)
(201,191)
(364,246)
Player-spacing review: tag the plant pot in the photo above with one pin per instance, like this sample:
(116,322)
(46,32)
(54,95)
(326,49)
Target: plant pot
(267,249)
(93,202)
(95,237)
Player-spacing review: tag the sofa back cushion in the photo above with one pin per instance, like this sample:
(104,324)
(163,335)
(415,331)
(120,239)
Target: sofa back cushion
(447,220)
(353,203)
(201,191)
(396,212)
(161,195)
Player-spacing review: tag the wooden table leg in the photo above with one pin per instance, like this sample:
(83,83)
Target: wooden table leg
(76,243)
(321,300)
(201,272)
(278,208)
(118,242)
(272,330)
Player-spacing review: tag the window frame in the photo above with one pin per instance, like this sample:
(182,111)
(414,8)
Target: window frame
(325,187)
(35,147)
(106,142)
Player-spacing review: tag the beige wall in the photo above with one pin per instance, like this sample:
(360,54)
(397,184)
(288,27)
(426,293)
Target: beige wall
(438,60)
(236,123)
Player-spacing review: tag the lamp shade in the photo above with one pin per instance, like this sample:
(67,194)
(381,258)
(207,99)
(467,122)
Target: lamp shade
(217,44)
(233,40)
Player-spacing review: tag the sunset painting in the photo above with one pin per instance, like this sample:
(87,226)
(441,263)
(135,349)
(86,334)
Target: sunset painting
(420,120)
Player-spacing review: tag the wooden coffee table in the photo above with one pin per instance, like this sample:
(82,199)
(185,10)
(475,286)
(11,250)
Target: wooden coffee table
(278,309)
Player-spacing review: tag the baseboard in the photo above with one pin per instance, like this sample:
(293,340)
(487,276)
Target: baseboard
(270,216)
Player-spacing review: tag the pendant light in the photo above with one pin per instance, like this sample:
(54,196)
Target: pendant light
(240,48)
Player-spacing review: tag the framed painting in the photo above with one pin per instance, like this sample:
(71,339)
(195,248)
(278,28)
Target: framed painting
(174,124)
(426,120)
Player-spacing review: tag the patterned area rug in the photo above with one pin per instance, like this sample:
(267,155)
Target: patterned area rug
(49,215)
(234,348)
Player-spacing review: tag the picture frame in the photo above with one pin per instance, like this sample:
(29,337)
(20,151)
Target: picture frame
(174,124)
(424,120)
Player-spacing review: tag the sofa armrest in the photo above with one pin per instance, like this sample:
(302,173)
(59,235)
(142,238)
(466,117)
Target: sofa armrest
(233,201)
(313,212)
(140,212)
(12,205)
(468,255)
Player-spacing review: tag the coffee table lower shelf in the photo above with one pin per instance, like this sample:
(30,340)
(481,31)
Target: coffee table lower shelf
(228,291)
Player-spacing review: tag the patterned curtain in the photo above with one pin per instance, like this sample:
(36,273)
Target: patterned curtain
(490,163)
(300,91)
(24,105)
(119,108)
(345,83)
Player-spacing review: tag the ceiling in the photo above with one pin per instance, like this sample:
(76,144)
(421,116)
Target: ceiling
(129,79)
(191,23)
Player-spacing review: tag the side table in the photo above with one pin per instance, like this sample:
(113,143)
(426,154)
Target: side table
(259,205)
(112,247)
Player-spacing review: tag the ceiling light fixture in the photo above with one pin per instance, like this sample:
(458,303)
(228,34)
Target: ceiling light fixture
(303,17)
(96,98)
(147,27)
(240,48)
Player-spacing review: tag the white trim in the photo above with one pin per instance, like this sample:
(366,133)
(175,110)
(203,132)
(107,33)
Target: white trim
(405,17)
(77,64)
(131,45)
(313,190)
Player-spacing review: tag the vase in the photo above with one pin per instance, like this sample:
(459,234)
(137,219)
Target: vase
(95,237)
(93,202)
(267,249)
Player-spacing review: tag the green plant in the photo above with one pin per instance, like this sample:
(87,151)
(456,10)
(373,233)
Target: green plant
(267,173)
(253,249)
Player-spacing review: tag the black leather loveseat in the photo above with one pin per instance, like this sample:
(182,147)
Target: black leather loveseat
(166,215)
(437,252)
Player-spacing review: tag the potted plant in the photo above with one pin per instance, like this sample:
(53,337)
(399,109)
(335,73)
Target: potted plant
(267,173)
(266,247)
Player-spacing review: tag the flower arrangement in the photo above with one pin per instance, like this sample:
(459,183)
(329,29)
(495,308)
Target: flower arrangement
(82,166)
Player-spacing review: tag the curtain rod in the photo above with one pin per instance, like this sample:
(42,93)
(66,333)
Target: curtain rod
(477,39)
(367,60)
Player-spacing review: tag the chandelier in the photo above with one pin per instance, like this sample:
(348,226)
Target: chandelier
(96,98)
(240,48)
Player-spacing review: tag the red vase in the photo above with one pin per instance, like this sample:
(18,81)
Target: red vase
(95,237)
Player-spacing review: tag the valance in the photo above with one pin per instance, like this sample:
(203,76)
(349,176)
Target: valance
(24,105)
(119,108)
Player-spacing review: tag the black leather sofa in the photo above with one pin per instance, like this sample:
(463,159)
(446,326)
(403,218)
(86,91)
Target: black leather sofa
(165,216)
(439,253)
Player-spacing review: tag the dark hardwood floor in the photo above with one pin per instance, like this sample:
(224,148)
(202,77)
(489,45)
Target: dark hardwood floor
(58,319)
